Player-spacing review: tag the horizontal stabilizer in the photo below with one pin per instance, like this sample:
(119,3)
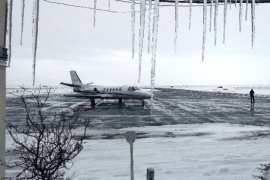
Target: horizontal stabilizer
(71,85)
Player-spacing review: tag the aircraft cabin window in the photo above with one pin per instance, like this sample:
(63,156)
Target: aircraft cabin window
(116,89)
(129,88)
(113,89)
(120,89)
(110,89)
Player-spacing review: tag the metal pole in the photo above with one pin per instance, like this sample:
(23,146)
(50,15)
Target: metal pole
(131,162)
(2,88)
(130,137)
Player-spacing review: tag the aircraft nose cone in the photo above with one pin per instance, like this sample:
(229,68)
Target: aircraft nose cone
(148,94)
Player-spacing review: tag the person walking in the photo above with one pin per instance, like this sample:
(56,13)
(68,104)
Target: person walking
(251,93)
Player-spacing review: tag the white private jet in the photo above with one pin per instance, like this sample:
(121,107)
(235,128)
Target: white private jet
(104,92)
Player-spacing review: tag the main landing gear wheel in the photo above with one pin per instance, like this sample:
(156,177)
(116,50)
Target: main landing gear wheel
(93,103)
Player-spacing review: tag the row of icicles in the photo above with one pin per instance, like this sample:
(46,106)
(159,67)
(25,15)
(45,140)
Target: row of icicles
(153,17)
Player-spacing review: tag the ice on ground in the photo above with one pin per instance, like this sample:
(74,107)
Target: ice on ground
(194,151)
(259,89)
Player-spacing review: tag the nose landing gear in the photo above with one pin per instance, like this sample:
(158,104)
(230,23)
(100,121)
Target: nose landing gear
(142,101)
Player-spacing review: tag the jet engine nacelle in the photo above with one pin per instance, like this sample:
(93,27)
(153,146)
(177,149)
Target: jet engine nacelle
(91,89)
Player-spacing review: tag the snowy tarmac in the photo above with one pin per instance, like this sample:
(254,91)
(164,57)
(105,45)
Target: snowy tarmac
(188,135)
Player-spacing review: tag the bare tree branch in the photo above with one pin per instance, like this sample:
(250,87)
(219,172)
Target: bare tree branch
(46,144)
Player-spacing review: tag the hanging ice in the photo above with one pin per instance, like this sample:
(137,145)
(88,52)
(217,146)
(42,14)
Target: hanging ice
(211,9)
(109,4)
(133,26)
(204,26)
(235,2)
(190,12)
(253,21)
(10,30)
(225,20)
(230,4)
(95,11)
(215,20)
(246,9)
(149,24)
(240,15)
(154,48)
(22,20)
(176,25)
(35,35)
(141,35)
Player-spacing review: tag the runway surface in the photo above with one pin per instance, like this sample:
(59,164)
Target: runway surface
(171,106)
(188,134)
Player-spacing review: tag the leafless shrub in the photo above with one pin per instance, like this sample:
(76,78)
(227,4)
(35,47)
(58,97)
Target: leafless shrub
(45,146)
(265,172)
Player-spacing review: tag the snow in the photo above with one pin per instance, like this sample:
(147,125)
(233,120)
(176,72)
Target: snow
(259,89)
(244,89)
(194,151)
(210,151)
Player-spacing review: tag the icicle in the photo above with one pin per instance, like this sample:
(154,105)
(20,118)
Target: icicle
(154,48)
(240,15)
(149,24)
(230,4)
(235,2)
(95,11)
(246,9)
(215,20)
(142,26)
(10,30)
(176,25)
(225,20)
(253,21)
(211,9)
(35,35)
(22,20)
(190,12)
(204,26)
(133,26)
(109,5)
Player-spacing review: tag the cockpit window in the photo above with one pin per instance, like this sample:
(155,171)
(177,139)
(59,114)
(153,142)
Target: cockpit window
(134,88)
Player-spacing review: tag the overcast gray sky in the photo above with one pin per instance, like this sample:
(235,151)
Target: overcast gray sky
(102,54)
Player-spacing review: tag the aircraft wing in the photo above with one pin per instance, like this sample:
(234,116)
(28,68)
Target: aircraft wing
(100,96)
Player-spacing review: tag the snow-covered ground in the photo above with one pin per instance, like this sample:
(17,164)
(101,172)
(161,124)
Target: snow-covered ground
(216,151)
(191,152)
(259,89)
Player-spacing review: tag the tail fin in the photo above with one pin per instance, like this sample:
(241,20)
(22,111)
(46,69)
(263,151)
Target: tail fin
(75,78)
